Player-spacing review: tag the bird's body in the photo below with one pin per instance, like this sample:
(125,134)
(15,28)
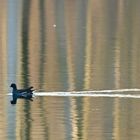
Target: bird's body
(21,93)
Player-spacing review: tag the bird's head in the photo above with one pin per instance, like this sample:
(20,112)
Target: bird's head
(13,86)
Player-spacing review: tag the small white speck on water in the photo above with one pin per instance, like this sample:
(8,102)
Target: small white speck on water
(54,25)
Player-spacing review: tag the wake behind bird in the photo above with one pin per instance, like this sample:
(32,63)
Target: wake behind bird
(115,93)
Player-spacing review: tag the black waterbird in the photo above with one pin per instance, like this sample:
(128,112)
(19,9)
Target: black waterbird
(21,93)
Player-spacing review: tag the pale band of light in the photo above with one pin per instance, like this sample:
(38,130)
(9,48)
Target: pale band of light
(120,93)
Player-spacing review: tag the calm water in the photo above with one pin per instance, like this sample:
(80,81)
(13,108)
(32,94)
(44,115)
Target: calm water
(65,45)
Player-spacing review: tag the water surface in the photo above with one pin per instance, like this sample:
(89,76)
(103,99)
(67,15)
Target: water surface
(70,46)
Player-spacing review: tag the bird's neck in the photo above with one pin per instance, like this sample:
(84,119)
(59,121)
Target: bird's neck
(14,90)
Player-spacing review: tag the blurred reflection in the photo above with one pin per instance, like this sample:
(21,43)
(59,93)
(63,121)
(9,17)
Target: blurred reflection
(70,45)
(3,69)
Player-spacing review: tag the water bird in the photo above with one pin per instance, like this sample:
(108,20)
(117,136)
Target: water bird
(21,93)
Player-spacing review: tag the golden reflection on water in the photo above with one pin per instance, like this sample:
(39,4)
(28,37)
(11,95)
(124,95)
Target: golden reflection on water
(64,46)
(3,70)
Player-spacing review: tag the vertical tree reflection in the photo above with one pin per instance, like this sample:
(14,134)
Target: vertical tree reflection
(25,36)
(42,62)
(42,41)
(25,62)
